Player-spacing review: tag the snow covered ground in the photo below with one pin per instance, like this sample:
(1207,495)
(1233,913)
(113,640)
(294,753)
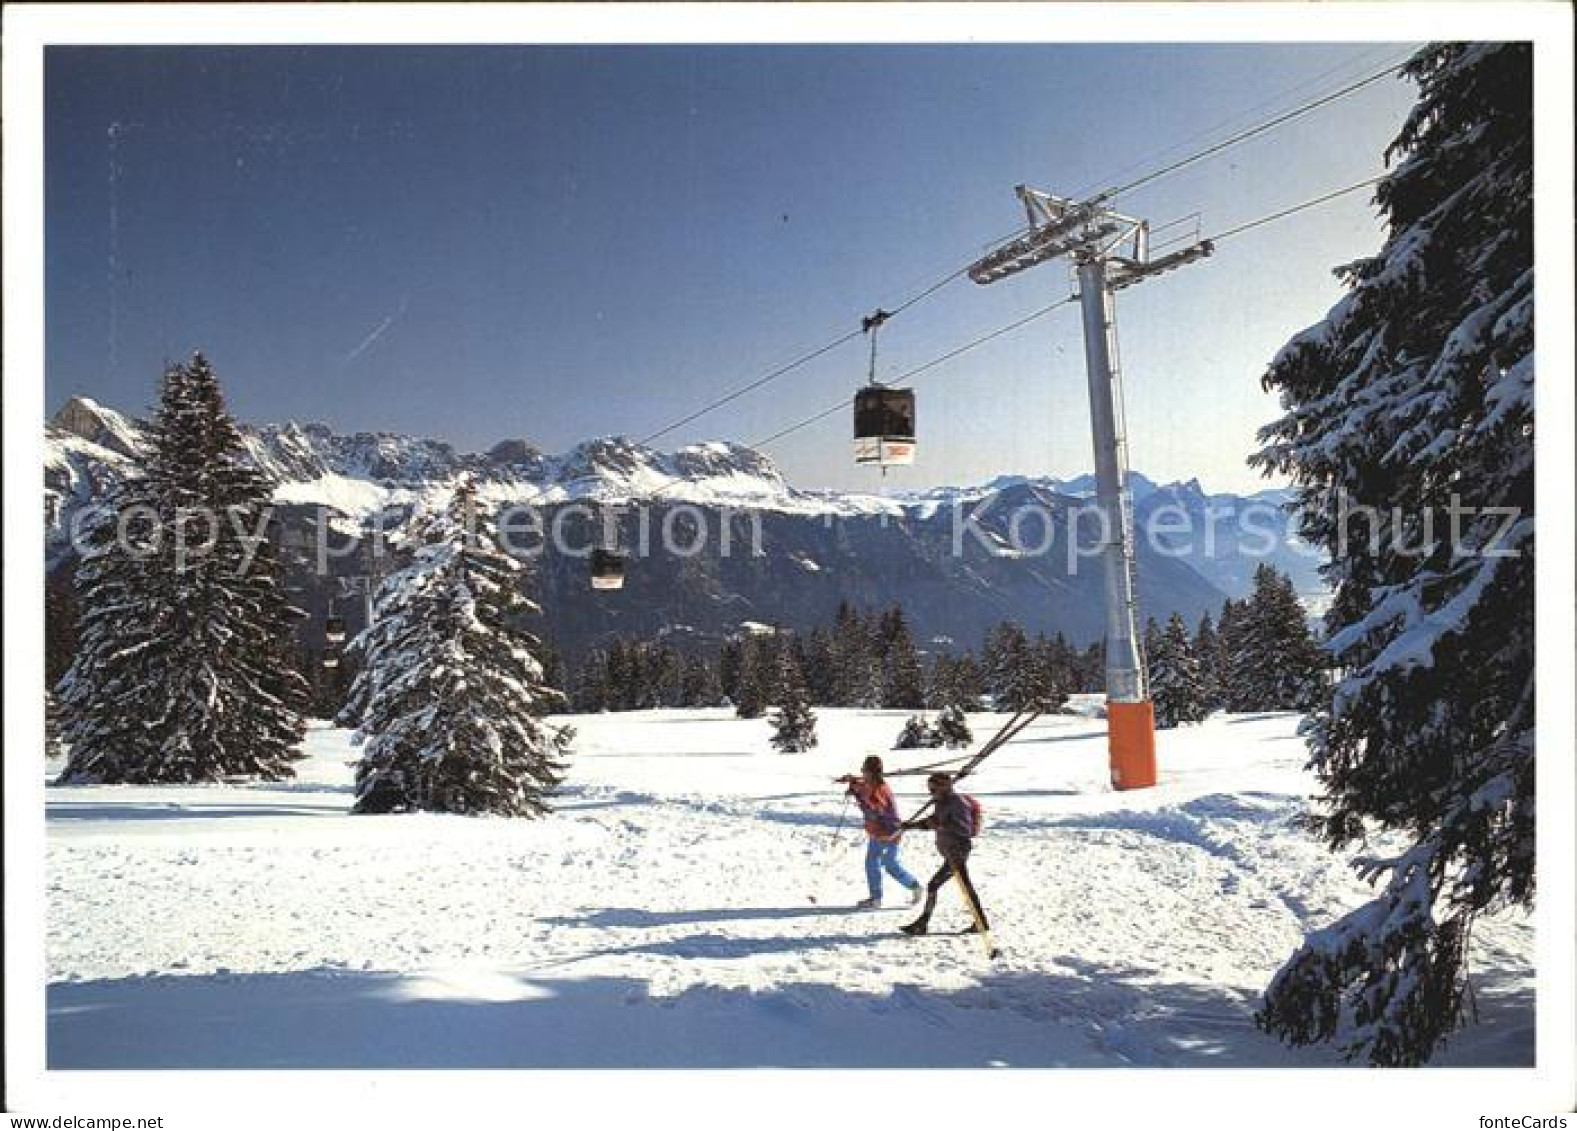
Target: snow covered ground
(663,917)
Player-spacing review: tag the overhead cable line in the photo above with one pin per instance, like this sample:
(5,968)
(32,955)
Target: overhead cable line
(1313,202)
(1364,61)
(805,358)
(1285,212)
(1251,132)
(765,379)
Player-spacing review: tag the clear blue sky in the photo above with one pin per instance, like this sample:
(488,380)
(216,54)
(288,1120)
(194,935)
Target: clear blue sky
(559,243)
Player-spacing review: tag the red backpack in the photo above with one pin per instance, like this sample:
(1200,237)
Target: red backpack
(977,814)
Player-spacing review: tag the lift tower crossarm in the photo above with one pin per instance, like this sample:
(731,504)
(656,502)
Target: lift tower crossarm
(1090,235)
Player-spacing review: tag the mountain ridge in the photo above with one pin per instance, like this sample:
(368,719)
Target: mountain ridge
(605,467)
(949,555)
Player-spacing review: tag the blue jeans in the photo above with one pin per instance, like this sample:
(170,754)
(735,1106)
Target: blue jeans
(883,855)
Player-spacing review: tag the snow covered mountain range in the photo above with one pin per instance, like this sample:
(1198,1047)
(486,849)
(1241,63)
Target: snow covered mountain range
(819,546)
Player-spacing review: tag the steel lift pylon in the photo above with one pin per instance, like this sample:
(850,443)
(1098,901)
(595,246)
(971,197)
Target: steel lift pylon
(1108,252)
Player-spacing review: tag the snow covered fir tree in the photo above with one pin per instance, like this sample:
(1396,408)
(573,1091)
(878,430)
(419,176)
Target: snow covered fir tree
(1281,666)
(1176,688)
(1208,655)
(52,744)
(451,695)
(181,670)
(916,734)
(1414,399)
(952,728)
(793,722)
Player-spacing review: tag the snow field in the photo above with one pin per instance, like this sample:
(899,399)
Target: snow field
(663,916)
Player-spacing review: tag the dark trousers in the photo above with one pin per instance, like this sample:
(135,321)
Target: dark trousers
(954,860)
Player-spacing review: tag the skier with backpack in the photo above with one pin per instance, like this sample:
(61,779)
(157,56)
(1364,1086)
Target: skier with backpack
(883,828)
(956,819)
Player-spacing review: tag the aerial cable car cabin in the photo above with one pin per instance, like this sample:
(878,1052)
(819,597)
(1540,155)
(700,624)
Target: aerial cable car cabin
(884,426)
(884,432)
(607,569)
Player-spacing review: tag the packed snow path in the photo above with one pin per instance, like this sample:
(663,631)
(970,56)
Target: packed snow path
(663,917)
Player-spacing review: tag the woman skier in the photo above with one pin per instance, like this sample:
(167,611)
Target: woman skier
(882,828)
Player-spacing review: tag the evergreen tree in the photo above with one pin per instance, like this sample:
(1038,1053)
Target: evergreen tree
(182,670)
(1175,686)
(592,693)
(1040,681)
(1207,653)
(730,667)
(553,668)
(816,660)
(60,627)
(1416,393)
(939,687)
(793,723)
(968,683)
(700,684)
(667,677)
(903,684)
(952,728)
(1235,670)
(1092,667)
(856,661)
(52,744)
(1283,668)
(1006,656)
(756,679)
(623,678)
(1149,644)
(956,682)
(455,698)
(1064,664)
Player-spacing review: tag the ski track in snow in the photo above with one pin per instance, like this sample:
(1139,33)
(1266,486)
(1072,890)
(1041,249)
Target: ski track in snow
(663,916)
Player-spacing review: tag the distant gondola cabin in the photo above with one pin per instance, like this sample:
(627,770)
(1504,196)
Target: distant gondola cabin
(607,569)
(884,426)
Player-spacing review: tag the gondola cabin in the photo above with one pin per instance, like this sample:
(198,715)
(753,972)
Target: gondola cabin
(334,630)
(884,426)
(607,569)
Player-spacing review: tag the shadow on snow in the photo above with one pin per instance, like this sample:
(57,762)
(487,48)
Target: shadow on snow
(1090,1016)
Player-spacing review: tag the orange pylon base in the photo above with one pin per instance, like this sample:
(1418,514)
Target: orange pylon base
(1130,741)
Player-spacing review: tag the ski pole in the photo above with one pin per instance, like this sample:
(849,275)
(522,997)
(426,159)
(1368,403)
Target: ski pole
(837,833)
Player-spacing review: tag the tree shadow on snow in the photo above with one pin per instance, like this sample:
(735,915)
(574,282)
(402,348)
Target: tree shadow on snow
(601,754)
(1093,1017)
(175,811)
(1260,717)
(1030,792)
(708,945)
(640,918)
(1082,735)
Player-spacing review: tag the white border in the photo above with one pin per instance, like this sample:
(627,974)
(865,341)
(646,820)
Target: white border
(769,1099)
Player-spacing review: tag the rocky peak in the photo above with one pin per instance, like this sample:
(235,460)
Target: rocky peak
(85,417)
